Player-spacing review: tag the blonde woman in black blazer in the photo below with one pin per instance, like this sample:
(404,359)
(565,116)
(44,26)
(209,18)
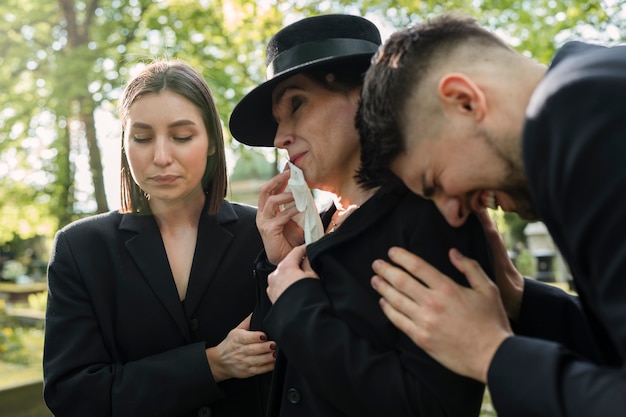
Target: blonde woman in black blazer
(149,307)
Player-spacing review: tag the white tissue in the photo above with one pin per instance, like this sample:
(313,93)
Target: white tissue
(308,218)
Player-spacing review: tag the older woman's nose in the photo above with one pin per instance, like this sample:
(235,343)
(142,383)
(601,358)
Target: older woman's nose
(283,138)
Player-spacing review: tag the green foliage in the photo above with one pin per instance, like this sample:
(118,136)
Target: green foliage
(64,59)
(487,406)
(525,263)
(12,269)
(19,345)
(515,227)
(23,211)
(38,301)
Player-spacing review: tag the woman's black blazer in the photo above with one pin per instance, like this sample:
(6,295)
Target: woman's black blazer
(339,354)
(118,340)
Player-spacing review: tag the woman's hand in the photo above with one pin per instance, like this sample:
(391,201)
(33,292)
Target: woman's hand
(293,268)
(242,354)
(280,233)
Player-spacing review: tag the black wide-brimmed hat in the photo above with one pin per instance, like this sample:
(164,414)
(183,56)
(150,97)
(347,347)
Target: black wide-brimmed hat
(333,40)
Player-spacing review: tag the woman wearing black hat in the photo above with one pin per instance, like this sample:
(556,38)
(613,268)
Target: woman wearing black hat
(338,353)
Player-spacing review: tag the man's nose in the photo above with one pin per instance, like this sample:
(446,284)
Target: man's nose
(452,209)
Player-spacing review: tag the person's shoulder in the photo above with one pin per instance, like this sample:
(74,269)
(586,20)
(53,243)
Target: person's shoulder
(237,214)
(94,223)
(579,59)
(574,50)
(240,210)
(576,71)
(407,199)
(406,207)
(243,208)
(240,220)
(92,231)
(424,211)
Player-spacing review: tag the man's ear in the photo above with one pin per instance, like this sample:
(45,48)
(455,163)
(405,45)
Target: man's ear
(459,94)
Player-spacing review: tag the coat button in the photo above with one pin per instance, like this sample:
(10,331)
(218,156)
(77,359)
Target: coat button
(293,396)
(193,325)
(204,411)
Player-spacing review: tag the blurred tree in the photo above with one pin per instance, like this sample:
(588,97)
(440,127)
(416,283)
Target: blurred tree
(64,61)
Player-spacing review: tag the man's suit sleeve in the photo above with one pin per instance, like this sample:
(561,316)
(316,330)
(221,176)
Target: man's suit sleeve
(560,316)
(575,143)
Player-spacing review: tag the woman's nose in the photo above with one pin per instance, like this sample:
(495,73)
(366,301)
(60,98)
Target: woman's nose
(283,138)
(162,152)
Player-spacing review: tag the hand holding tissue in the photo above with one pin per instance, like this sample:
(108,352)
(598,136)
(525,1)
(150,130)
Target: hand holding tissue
(308,218)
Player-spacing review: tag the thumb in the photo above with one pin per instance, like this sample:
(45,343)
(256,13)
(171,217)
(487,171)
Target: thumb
(297,254)
(245,324)
(475,275)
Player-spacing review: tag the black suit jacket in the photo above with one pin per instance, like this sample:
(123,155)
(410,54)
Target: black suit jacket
(118,340)
(574,146)
(339,354)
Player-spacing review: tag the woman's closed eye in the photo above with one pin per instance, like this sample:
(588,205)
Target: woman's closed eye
(183,138)
(287,101)
(145,139)
(296,102)
(141,139)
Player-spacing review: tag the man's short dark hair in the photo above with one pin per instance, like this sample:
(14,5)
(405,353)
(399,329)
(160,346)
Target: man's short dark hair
(395,74)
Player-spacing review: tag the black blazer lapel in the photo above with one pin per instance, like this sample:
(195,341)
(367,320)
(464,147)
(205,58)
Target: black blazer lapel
(147,250)
(211,247)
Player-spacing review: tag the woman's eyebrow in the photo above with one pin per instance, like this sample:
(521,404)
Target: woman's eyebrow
(177,123)
(280,94)
(183,122)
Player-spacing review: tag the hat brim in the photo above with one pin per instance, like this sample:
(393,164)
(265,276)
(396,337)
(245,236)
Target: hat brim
(252,122)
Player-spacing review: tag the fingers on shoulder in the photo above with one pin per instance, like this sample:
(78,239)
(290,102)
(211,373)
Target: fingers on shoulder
(413,264)
(402,321)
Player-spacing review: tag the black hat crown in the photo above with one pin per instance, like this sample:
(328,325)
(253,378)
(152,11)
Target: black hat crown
(335,39)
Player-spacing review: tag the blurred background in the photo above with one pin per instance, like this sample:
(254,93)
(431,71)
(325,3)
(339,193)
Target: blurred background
(63,63)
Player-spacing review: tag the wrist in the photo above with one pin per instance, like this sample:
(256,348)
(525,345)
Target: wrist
(265,265)
(515,304)
(482,370)
(213,357)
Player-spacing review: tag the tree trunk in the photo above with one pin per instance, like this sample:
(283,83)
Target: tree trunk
(65,178)
(95,159)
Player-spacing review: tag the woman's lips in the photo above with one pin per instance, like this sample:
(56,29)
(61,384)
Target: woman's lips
(296,158)
(165,179)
